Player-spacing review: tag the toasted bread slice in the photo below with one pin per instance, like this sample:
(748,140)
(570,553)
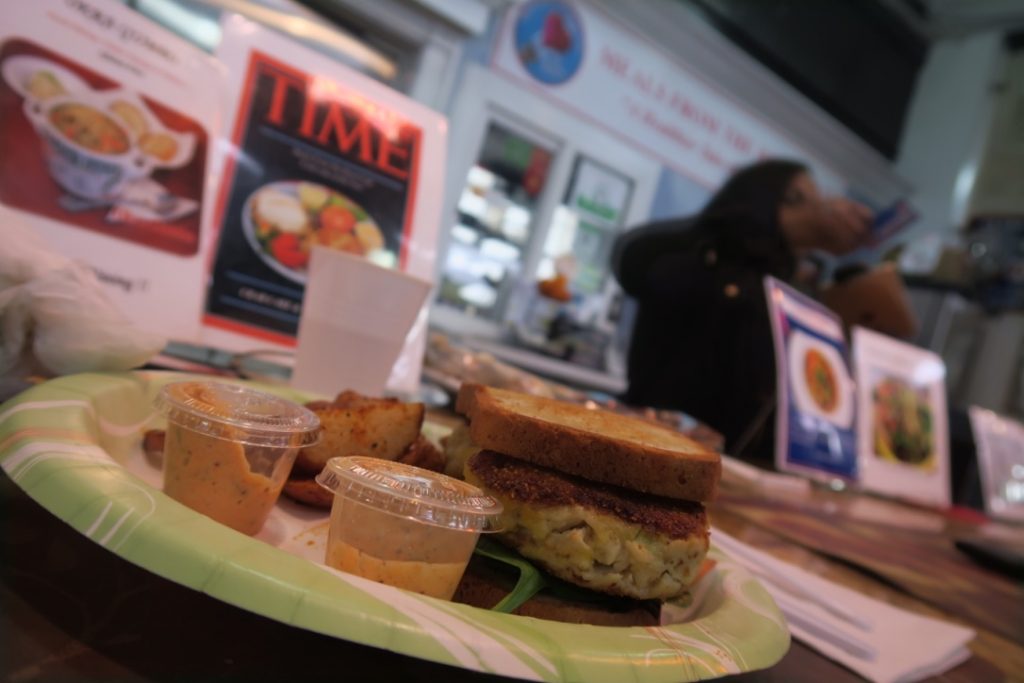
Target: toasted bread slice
(357,425)
(590,443)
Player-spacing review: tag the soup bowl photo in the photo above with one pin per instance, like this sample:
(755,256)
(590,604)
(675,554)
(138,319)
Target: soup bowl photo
(819,380)
(89,153)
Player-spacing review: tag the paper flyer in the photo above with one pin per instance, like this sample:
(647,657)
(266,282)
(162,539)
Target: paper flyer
(105,125)
(999,445)
(318,154)
(814,424)
(902,426)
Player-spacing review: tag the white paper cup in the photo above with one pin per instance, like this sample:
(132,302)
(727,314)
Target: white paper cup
(355,318)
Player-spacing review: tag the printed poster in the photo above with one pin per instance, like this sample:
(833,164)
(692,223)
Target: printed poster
(903,433)
(814,427)
(319,155)
(999,445)
(105,126)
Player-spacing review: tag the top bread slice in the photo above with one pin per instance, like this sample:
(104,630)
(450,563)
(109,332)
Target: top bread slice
(590,443)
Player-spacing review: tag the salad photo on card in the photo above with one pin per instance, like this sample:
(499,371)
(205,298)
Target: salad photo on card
(903,433)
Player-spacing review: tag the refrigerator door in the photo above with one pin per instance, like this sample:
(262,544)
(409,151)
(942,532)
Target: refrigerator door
(566,315)
(495,222)
(535,199)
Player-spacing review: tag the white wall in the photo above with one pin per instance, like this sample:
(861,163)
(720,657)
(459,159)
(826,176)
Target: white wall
(1000,185)
(992,379)
(945,130)
(685,33)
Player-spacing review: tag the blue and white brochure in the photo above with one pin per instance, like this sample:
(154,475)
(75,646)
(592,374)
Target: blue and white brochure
(815,429)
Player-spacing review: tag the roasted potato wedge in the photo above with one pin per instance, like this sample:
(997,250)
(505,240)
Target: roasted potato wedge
(358,425)
(305,490)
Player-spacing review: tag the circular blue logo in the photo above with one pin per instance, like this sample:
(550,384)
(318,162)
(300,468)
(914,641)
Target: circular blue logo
(549,40)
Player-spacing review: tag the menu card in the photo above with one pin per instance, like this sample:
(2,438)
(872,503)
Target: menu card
(999,444)
(105,122)
(318,154)
(814,417)
(902,426)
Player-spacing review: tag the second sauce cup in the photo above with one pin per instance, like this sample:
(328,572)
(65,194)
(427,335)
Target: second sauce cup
(402,525)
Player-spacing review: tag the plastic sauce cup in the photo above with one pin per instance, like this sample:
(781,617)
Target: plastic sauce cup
(402,525)
(229,449)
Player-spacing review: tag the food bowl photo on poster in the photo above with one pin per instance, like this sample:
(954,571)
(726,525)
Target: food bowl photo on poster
(283,220)
(818,376)
(87,152)
(93,142)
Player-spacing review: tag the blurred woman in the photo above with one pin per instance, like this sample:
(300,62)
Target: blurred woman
(702,339)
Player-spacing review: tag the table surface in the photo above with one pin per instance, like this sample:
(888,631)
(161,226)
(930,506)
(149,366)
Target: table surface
(70,610)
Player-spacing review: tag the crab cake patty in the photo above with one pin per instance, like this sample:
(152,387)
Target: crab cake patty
(598,536)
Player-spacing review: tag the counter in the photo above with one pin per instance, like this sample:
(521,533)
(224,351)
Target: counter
(70,609)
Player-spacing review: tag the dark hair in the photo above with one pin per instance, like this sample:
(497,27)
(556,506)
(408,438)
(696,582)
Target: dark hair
(753,193)
(756,190)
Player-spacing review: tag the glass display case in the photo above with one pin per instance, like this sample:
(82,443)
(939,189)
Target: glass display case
(536,197)
(494,223)
(565,315)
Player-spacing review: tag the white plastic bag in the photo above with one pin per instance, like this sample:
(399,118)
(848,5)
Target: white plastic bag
(55,318)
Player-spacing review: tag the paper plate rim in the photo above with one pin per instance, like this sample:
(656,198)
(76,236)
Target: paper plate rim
(60,442)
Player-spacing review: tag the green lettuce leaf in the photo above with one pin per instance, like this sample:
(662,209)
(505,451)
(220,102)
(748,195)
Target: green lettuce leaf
(531,580)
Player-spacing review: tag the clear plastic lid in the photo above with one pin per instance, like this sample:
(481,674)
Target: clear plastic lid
(229,411)
(412,492)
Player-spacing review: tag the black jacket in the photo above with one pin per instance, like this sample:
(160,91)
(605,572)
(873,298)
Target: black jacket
(702,339)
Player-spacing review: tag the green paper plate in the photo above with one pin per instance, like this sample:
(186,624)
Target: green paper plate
(74,445)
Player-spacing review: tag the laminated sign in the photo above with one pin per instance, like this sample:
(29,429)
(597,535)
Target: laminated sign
(903,433)
(105,123)
(814,426)
(999,444)
(319,155)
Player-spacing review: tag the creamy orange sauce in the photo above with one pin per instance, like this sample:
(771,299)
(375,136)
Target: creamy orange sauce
(396,550)
(436,579)
(212,476)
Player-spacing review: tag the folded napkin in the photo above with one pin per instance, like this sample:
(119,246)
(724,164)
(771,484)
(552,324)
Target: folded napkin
(880,642)
(55,317)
